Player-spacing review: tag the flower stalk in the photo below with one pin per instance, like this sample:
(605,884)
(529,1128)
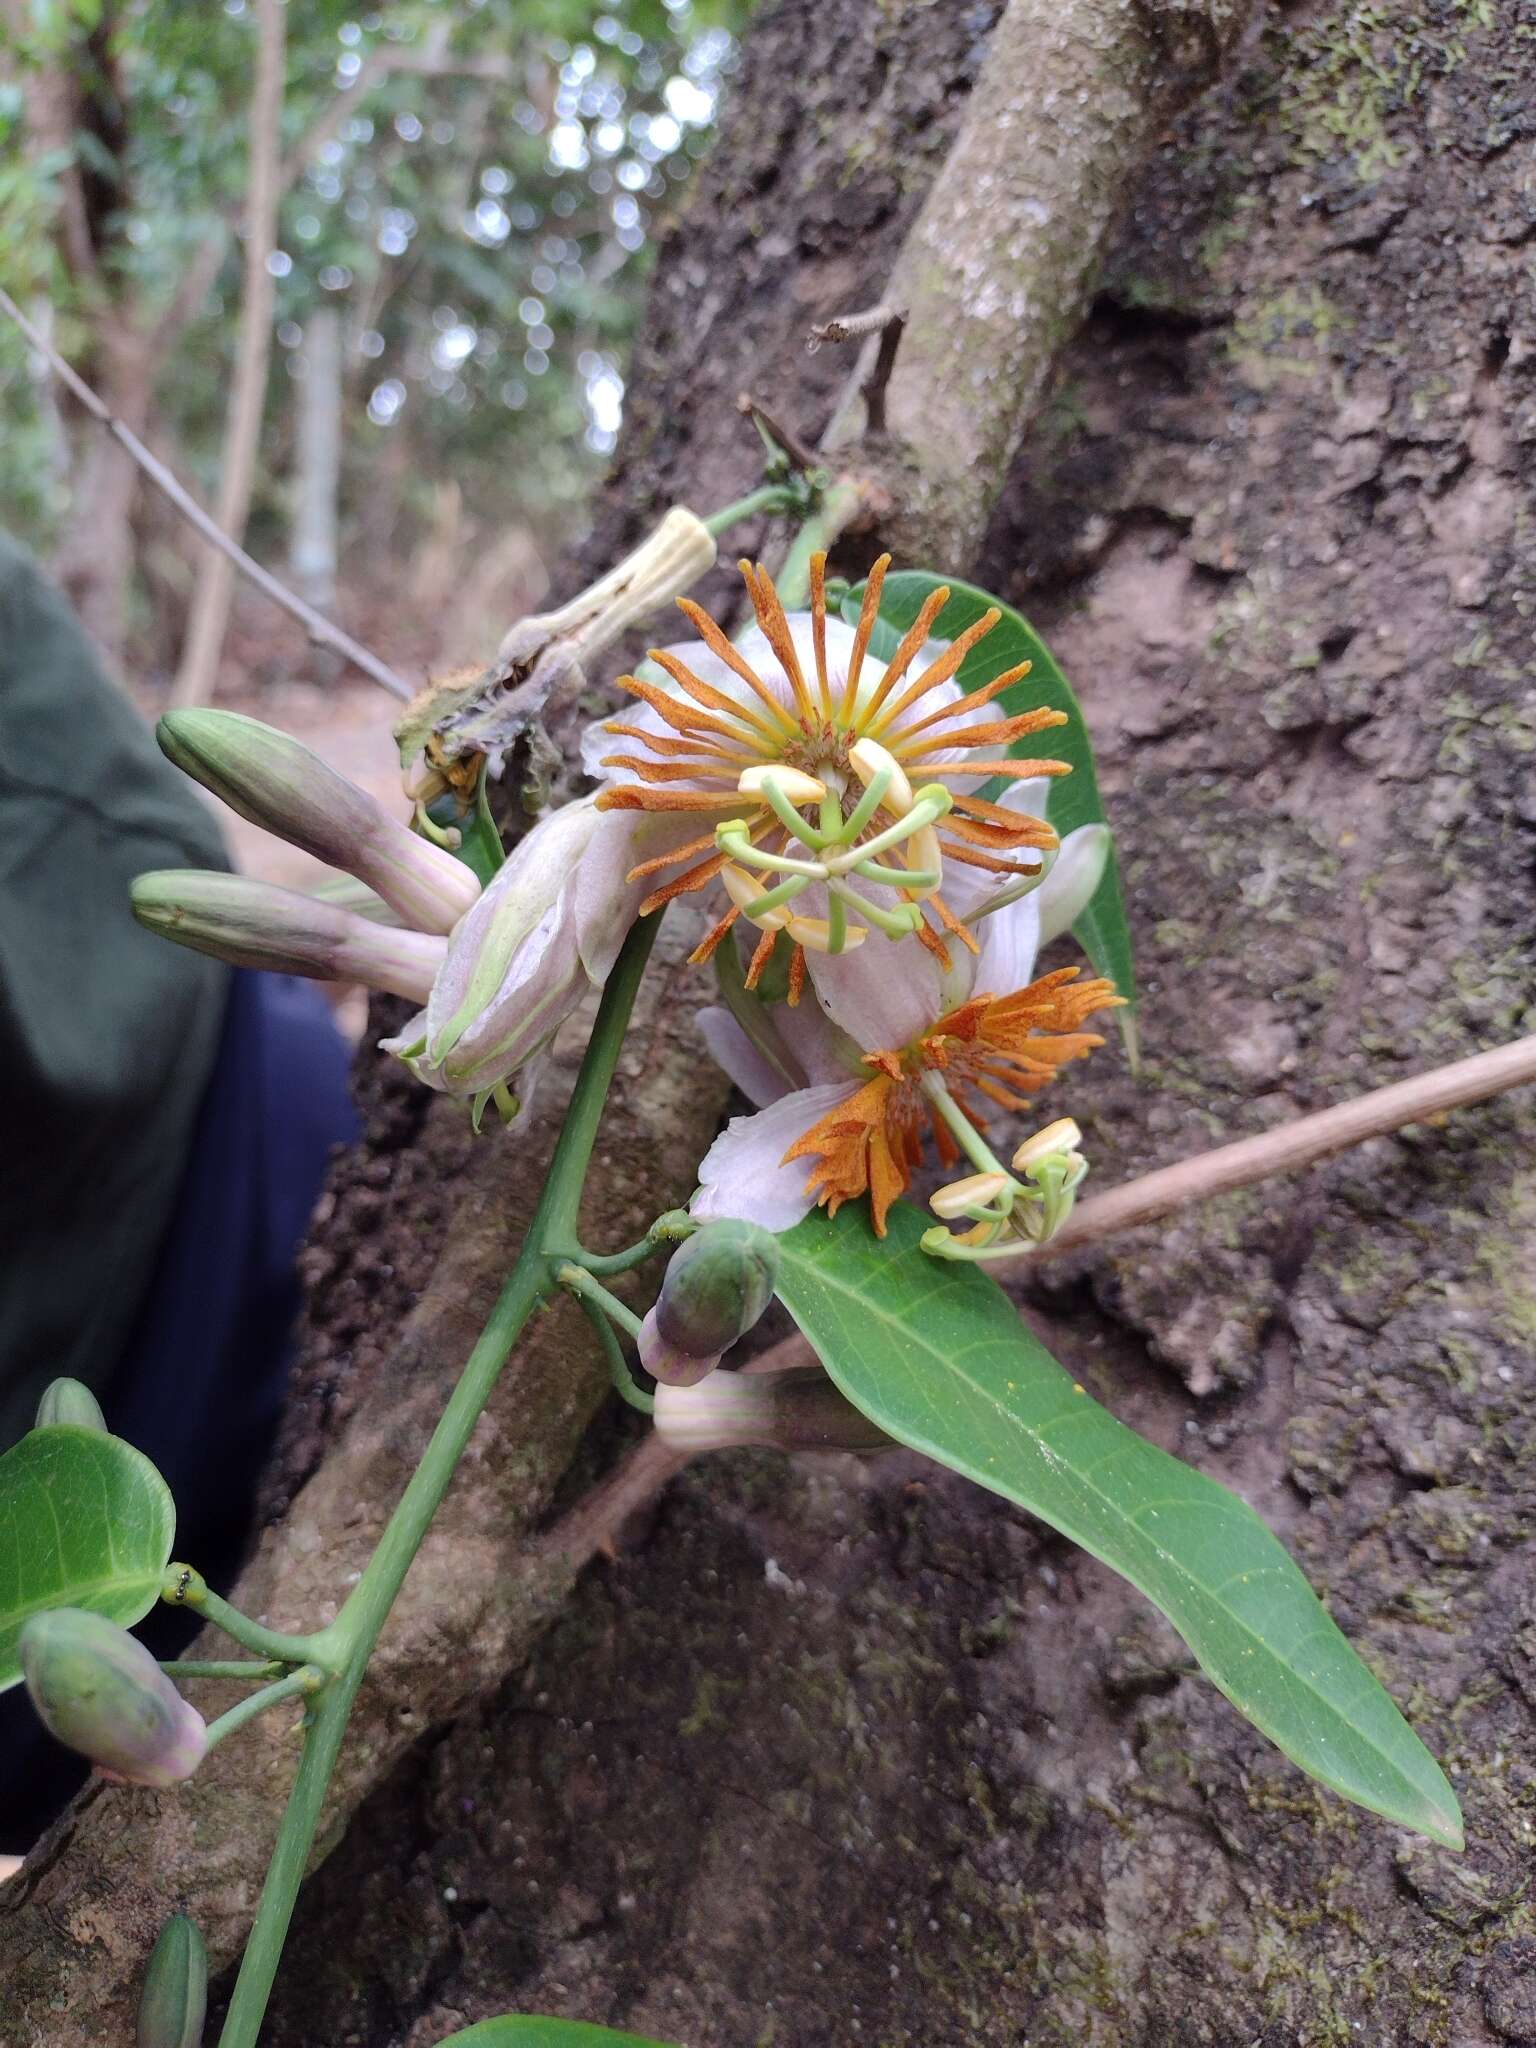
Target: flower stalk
(551,1242)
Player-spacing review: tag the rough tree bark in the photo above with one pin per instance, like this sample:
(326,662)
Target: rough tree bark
(76,95)
(851,1755)
(848,1755)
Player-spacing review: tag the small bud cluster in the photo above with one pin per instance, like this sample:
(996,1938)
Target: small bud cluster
(1001,1209)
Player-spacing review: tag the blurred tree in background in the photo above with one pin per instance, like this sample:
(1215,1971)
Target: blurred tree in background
(467,196)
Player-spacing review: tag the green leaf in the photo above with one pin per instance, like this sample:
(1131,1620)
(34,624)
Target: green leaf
(527,2032)
(935,1353)
(85,1521)
(1102,931)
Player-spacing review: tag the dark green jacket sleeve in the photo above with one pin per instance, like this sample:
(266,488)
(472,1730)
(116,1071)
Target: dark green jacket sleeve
(107,1033)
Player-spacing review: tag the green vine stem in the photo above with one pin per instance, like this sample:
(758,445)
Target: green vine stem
(838,505)
(551,1242)
(624,1383)
(252,1673)
(576,1280)
(185,1587)
(309,1678)
(669,1229)
(767,498)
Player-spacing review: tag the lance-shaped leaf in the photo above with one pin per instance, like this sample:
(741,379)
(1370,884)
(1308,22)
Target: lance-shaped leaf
(1102,931)
(523,2030)
(935,1354)
(85,1521)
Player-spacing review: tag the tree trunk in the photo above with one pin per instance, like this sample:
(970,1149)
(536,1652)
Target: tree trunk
(854,1754)
(247,396)
(317,479)
(850,1754)
(95,558)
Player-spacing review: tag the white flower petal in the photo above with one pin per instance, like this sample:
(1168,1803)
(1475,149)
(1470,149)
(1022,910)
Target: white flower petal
(813,1041)
(743,1173)
(749,1067)
(1069,888)
(884,994)
(1010,939)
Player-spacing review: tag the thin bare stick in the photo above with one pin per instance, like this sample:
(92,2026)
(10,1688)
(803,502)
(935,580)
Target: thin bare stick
(592,1527)
(800,454)
(880,373)
(215,588)
(1290,1146)
(320,630)
(854,326)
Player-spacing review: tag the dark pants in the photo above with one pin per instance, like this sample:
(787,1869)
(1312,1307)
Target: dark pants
(200,1386)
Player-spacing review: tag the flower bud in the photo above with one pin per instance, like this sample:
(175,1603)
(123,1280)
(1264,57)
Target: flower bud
(718,1284)
(546,931)
(798,1410)
(99,1691)
(257,924)
(70,1401)
(278,783)
(960,1197)
(174,2001)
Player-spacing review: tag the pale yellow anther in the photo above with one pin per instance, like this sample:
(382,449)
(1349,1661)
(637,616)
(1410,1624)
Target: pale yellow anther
(961,1196)
(744,889)
(922,852)
(867,759)
(1061,1136)
(796,786)
(815,933)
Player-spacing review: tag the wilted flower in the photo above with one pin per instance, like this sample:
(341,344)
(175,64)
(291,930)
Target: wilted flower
(99,1691)
(717,1285)
(839,804)
(275,781)
(797,1410)
(173,2005)
(257,924)
(458,720)
(547,929)
(884,1061)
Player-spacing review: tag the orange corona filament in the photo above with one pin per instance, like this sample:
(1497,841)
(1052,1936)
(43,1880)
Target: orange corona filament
(817,731)
(1001,1049)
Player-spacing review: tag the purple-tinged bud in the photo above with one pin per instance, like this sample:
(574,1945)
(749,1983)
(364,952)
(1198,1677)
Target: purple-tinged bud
(666,1364)
(798,1410)
(718,1283)
(174,2002)
(278,783)
(99,1691)
(70,1401)
(257,924)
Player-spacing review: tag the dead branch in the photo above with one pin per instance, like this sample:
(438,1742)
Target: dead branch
(1289,1147)
(997,270)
